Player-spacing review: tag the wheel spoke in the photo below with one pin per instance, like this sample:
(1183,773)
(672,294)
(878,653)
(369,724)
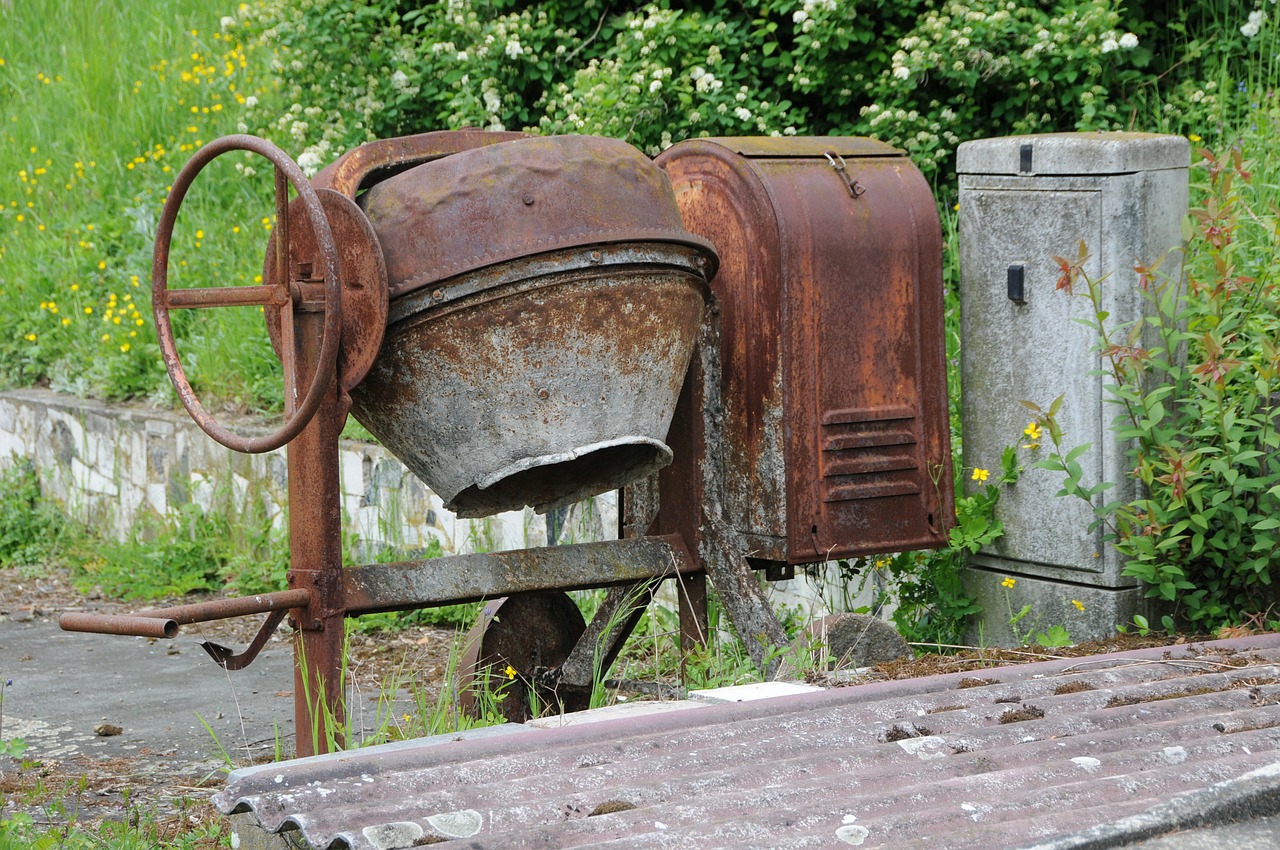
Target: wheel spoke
(230,296)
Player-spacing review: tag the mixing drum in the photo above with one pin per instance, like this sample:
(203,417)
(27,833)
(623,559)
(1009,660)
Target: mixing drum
(545,298)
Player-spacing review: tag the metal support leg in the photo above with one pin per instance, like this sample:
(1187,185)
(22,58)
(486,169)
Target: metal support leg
(315,549)
(740,593)
(598,648)
(692,595)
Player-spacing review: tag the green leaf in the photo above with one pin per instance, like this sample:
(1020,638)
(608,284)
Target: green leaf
(1077,451)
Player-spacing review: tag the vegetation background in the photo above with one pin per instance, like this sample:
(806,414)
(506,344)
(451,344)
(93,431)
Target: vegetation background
(93,132)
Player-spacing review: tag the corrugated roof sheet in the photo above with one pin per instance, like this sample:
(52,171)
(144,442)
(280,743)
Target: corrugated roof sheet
(994,759)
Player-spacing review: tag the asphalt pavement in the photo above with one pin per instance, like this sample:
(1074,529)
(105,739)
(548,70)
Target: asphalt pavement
(68,694)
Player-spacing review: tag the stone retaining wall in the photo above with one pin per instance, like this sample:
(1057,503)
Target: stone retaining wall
(112,465)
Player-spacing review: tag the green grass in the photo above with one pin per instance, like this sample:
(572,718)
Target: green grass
(140,830)
(101,103)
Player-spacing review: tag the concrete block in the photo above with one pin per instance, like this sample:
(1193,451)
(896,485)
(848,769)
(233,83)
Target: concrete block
(91,480)
(1024,200)
(64,437)
(134,464)
(621,711)
(754,691)
(8,417)
(248,834)
(1052,603)
(11,445)
(351,472)
(156,498)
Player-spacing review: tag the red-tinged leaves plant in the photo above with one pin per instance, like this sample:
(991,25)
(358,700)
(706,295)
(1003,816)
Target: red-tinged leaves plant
(1070,272)
(1197,386)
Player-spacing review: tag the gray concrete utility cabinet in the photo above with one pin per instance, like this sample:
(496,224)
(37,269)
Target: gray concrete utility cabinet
(1024,199)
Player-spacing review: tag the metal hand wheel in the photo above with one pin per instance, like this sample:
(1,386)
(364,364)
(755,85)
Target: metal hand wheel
(277,295)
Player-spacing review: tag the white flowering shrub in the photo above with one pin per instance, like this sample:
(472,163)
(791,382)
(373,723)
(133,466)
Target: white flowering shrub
(996,66)
(667,75)
(920,74)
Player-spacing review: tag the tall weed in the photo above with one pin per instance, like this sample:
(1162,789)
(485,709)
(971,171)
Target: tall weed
(1197,386)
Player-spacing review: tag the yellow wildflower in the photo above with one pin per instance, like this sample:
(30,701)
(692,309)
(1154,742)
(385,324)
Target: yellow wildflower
(980,474)
(1079,605)
(510,672)
(1008,582)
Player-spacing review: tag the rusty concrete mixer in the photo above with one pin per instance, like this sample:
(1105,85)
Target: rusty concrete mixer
(531,321)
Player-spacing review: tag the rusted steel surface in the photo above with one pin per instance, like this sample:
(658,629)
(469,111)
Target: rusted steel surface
(831,344)
(741,595)
(164,622)
(229,659)
(935,762)
(115,624)
(545,296)
(300,404)
(240,606)
(315,549)
(508,651)
(542,391)
(682,487)
(361,269)
(602,639)
(363,166)
(467,578)
(516,199)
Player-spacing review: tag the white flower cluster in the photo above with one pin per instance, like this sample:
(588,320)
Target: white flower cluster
(1254,25)
(704,81)
(654,85)
(1110,42)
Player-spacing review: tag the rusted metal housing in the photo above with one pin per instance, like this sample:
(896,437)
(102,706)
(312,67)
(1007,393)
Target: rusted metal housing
(545,298)
(831,434)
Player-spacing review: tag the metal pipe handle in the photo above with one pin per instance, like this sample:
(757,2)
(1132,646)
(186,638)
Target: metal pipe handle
(104,624)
